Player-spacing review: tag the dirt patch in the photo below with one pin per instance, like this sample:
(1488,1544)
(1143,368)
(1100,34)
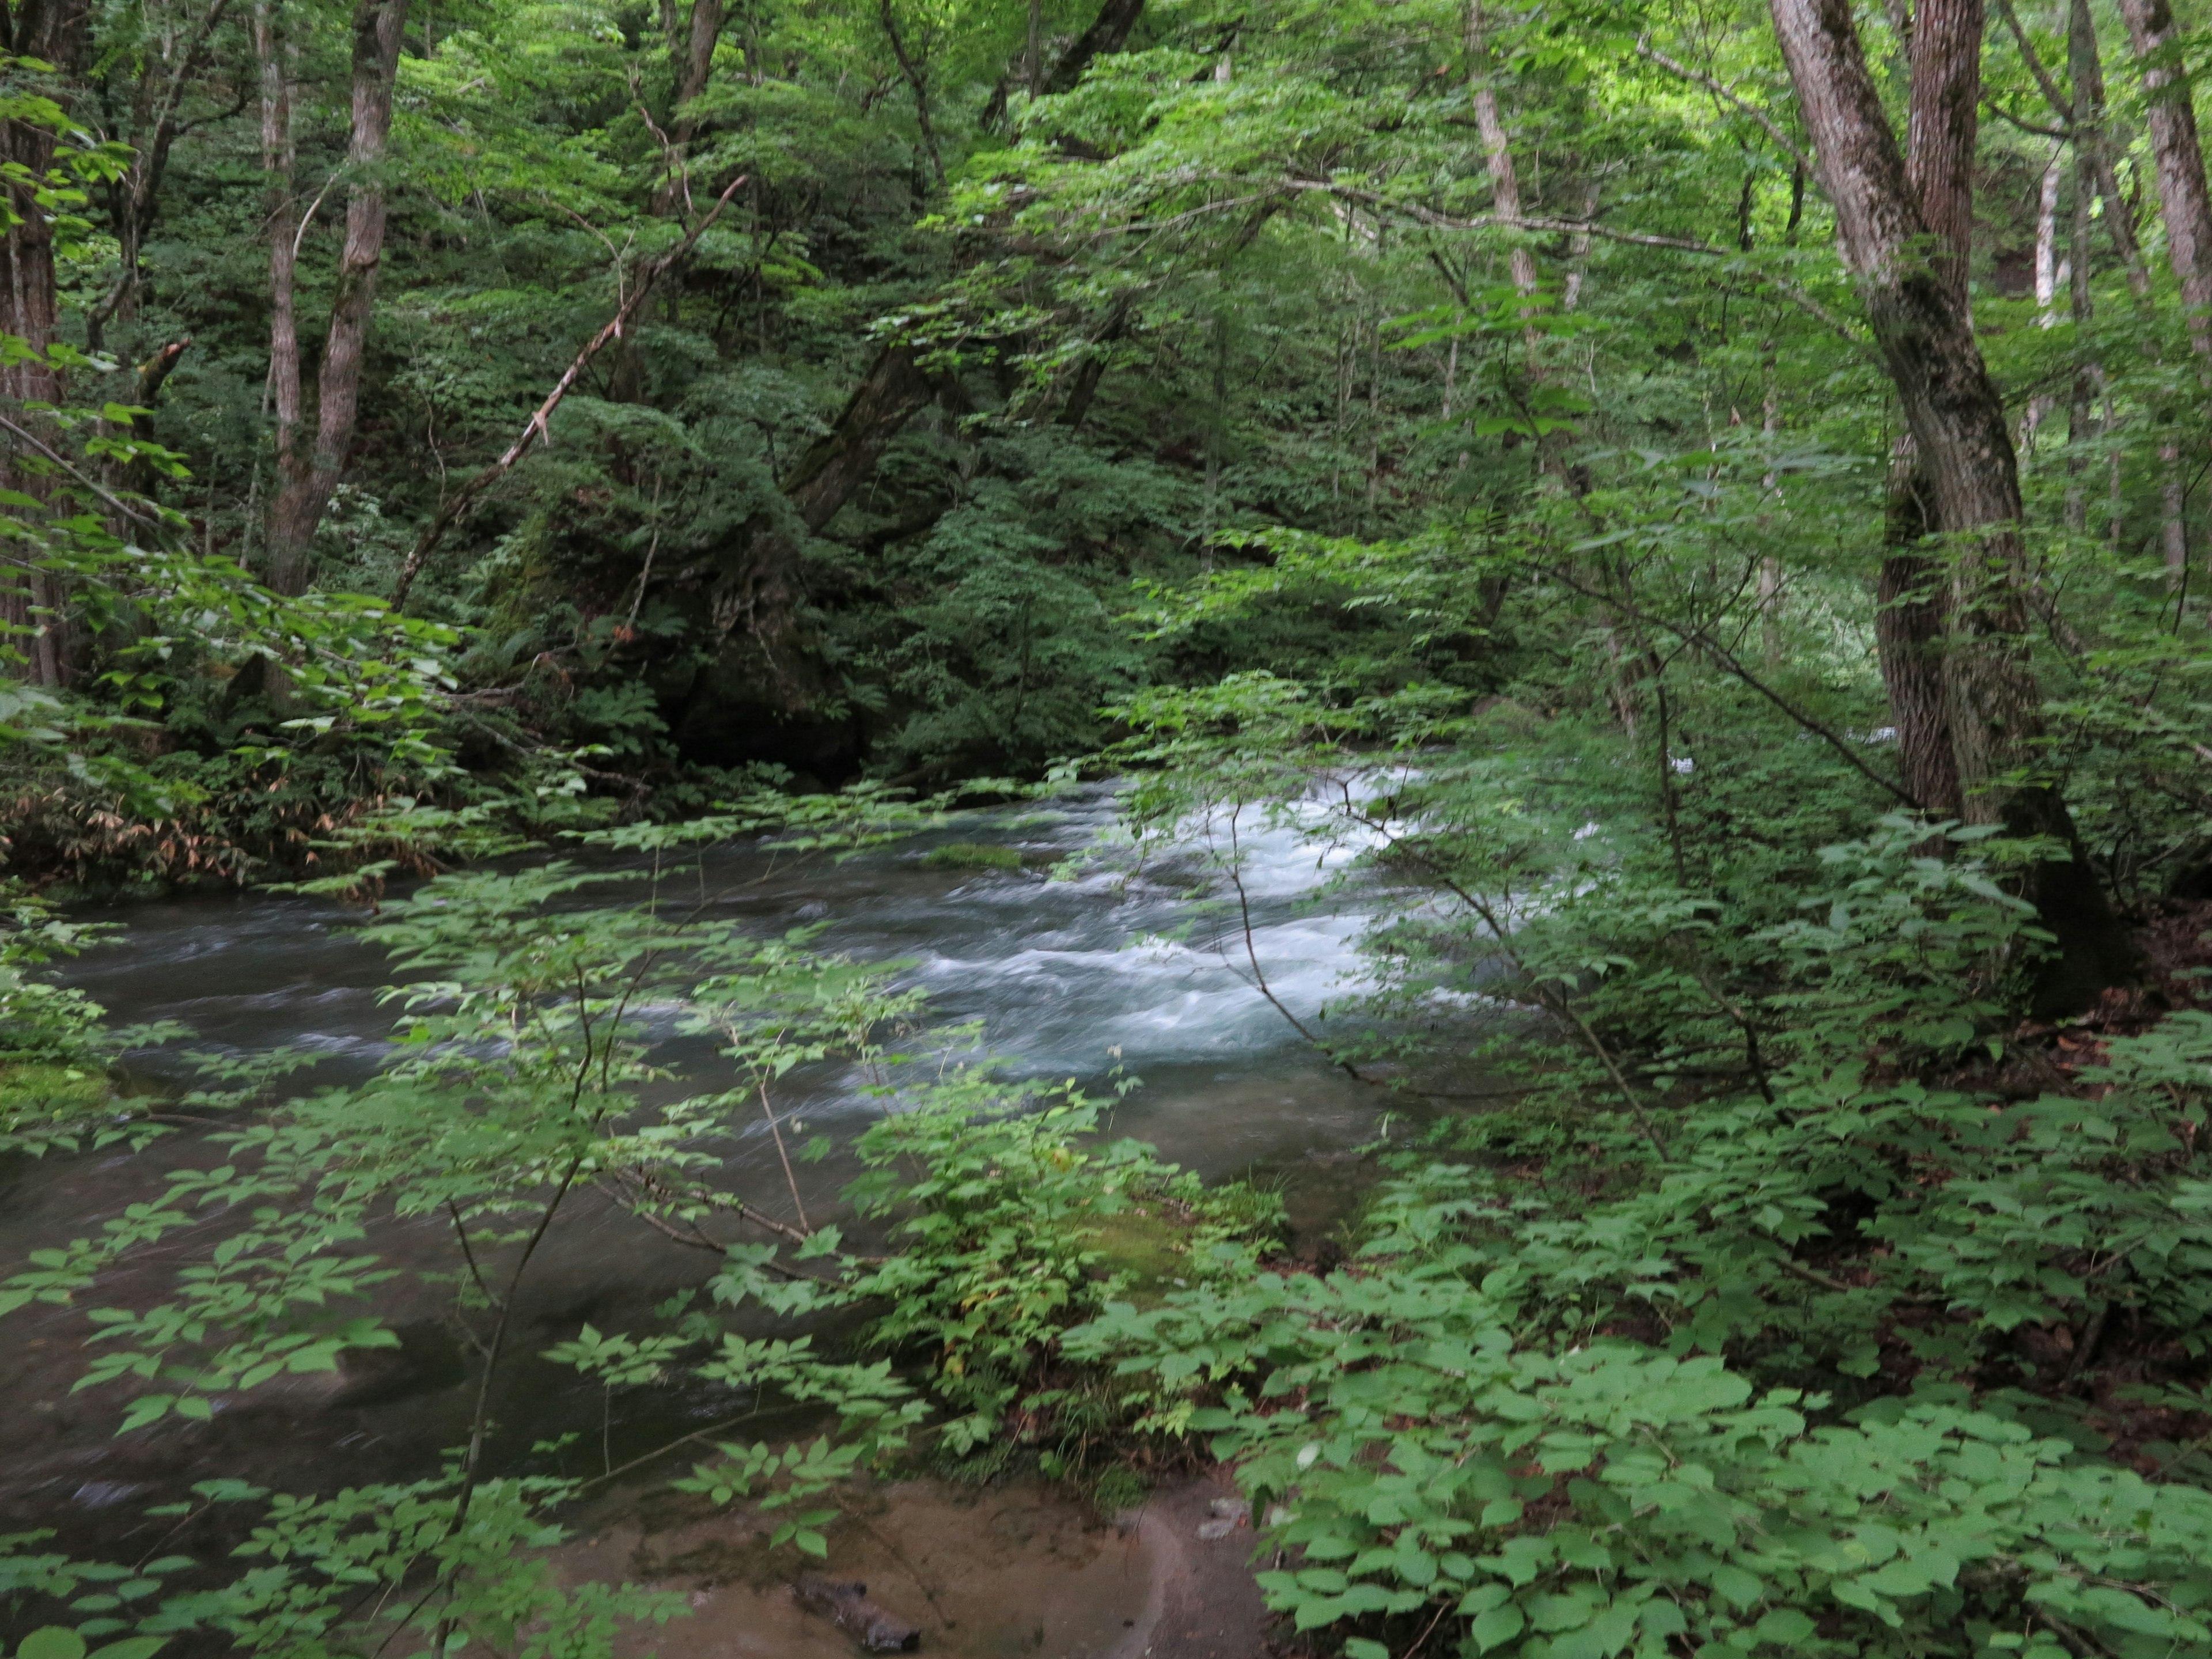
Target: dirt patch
(987,1573)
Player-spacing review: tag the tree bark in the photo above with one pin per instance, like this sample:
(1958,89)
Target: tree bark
(1963,445)
(1498,152)
(1944,47)
(31,602)
(754,594)
(2180,157)
(691,38)
(1107,34)
(2184,196)
(917,81)
(298,512)
(281,214)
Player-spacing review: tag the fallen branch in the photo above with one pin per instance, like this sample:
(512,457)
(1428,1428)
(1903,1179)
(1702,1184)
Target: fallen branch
(535,428)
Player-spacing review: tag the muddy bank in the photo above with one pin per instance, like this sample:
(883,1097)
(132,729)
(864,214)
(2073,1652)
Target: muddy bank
(994,1572)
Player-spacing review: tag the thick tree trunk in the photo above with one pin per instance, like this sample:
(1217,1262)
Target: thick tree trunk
(762,690)
(1910,593)
(756,592)
(1965,450)
(1908,630)
(298,513)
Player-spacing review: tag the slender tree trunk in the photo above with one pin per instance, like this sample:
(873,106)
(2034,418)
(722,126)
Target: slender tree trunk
(1498,151)
(281,215)
(2046,288)
(1965,449)
(52,31)
(917,82)
(2088,374)
(691,38)
(308,483)
(170,69)
(2182,193)
(2186,202)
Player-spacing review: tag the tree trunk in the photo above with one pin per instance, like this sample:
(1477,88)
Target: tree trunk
(52,31)
(917,81)
(1908,631)
(298,513)
(755,592)
(1963,446)
(2081,69)
(1108,32)
(170,67)
(1498,152)
(2179,157)
(2187,204)
(761,676)
(281,214)
(691,43)
(1909,594)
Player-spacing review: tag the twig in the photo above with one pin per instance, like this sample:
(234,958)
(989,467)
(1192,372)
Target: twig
(767,1109)
(2053,95)
(1245,911)
(1728,661)
(1812,1277)
(1650,54)
(113,500)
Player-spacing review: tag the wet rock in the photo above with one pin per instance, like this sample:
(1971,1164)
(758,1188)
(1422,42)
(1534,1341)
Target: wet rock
(846,1601)
(427,1358)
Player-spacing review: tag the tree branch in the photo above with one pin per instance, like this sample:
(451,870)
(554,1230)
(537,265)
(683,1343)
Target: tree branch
(535,426)
(1650,54)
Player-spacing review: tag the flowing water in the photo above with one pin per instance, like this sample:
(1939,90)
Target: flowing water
(1067,978)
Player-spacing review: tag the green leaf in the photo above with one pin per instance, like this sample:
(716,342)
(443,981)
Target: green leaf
(51,1642)
(1497,1626)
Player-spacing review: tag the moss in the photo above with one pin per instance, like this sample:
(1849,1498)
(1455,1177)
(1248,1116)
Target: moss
(968,855)
(1119,1487)
(1148,1245)
(34,1090)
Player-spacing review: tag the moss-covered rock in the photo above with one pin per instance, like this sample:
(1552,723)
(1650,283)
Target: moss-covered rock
(971,855)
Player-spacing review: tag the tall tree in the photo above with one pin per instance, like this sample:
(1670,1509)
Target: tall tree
(176,48)
(1944,51)
(310,478)
(53,32)
(281,223)
(2171,115)
(1963,442)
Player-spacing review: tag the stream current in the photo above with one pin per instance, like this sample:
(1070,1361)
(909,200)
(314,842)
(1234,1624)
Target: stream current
(1059,974)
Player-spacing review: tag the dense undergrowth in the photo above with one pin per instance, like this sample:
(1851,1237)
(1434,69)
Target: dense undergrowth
(1798,1296)
(1485,442)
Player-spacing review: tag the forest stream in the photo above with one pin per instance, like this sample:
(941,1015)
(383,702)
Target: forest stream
(1066,978)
